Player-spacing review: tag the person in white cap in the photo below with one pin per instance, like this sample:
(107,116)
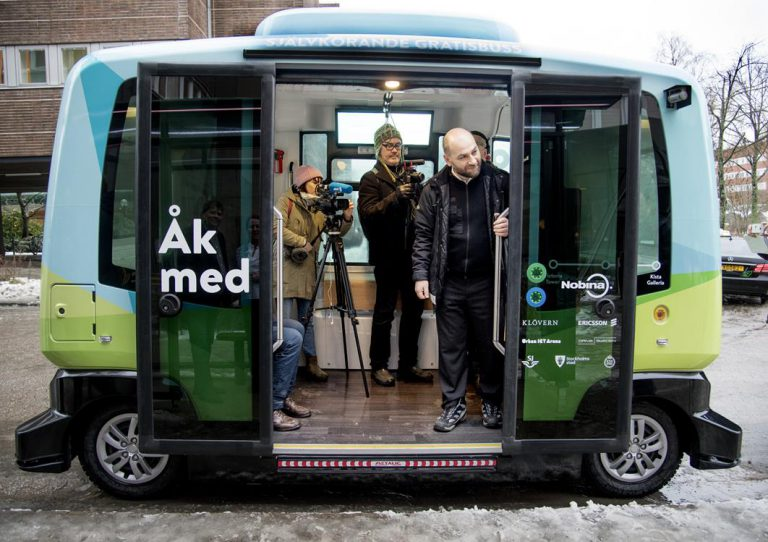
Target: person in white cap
(301,239)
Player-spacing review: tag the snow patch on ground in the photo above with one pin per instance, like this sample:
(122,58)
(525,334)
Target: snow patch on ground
(20,291)
(723,521)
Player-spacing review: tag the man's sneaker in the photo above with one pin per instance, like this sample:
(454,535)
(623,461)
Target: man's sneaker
(414,374)
(451,417)
(282,422)
(383,377)
(491,415)
(295,410)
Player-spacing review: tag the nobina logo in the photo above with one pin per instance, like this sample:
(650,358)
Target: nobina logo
(596,285)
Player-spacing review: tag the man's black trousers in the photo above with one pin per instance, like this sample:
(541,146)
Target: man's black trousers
(392,279)
(464,316)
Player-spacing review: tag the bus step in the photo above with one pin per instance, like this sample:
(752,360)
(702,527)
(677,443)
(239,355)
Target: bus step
(385,464)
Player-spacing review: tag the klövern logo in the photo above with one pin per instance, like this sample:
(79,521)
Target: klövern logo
(210,280)
(596,285)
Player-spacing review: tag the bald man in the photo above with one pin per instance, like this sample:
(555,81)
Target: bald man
(456,222)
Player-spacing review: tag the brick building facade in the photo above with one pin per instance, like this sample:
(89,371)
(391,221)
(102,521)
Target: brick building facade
(39,39)
(737,173)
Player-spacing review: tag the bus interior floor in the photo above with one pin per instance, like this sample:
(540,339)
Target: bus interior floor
(404,413)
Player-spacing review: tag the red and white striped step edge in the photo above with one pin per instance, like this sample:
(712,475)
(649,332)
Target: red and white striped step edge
(385,463)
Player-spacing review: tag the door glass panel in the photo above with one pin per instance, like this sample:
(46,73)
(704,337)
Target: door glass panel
(205,148)
(571,310)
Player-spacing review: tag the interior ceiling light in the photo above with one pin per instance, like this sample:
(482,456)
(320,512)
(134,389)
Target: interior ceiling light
(392,85)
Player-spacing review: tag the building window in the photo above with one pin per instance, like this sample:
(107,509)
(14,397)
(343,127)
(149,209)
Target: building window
(2,68)
(32,66)
(69,56)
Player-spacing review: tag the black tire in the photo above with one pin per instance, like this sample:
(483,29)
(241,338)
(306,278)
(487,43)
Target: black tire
(110,457)
(648,463)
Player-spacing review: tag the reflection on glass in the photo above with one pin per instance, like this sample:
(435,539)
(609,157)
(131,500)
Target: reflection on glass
(206,146)
(572,226)
(70,55)
(32,65)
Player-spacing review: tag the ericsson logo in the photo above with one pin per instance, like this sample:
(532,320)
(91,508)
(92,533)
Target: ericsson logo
(596,285)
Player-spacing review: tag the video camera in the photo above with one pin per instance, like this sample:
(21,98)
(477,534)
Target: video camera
(328,201)
(411,175)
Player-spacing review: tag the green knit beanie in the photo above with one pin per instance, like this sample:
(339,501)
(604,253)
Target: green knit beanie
(385,132)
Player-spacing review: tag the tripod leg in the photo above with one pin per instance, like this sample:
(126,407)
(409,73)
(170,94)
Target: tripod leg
(344,299)
(340,306)
(360,357)
(318,281)
(344,339)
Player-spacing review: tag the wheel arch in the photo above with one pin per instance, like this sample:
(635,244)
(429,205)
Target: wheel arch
(82,394)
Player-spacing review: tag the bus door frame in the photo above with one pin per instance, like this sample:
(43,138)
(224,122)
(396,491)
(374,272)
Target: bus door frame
(562,83)
(146,310)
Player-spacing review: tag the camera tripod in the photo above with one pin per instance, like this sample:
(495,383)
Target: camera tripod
(344,304)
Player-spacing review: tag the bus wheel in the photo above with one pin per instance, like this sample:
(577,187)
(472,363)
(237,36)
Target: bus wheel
(648,463)
(111,458)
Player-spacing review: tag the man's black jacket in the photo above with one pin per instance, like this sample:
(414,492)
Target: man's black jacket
(430,248)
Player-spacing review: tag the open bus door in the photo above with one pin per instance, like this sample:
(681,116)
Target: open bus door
(204,330)
(568,327)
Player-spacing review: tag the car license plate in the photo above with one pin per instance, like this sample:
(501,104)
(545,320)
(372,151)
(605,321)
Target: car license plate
(732,267)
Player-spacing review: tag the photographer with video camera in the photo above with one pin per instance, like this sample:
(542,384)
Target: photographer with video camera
(303,221)
(388,196)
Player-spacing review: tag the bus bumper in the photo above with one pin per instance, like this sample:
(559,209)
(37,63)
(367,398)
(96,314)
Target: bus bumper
(719,441)
(711,440)
(42,443)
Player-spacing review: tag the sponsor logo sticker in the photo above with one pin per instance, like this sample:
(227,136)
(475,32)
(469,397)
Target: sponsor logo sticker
(596,285)
(535,297)
(540,322)
(541,341)
(536,273)
(530,362)
(613,322)
(561,359)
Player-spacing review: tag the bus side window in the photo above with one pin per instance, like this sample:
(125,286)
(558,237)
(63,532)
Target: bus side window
(117,242)
(654,213)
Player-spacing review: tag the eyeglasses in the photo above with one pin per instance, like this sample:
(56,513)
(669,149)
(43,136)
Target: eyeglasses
(392,146)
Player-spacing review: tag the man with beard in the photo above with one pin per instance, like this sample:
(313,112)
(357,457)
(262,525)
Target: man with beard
(456,222)
(387,204)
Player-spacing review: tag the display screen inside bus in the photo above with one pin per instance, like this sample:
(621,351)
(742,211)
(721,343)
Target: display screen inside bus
(356,127)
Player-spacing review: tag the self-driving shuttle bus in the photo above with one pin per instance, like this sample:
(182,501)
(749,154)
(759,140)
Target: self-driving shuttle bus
(608,286)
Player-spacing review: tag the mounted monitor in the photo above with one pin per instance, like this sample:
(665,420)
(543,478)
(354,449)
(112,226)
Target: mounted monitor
(357,126)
